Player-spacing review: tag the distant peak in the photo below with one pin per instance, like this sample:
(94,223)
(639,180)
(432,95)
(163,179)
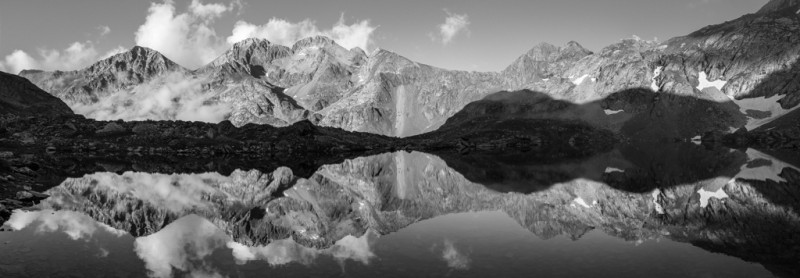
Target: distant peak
(139,57)
(780,7)
(574,44)
(248,42)
(313,41)
(358,51)
(142,49)
(545,45)
(542,51)
(137,53)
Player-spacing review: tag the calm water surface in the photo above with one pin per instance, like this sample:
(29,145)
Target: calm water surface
(672,211)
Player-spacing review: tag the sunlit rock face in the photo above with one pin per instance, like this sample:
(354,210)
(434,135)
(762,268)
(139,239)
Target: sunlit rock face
(741,73)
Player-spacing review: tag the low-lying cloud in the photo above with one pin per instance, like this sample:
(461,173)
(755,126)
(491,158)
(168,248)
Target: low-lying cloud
(187,38)
(183,245)
(187,243)
(173,97)
(287,251)
(77,226)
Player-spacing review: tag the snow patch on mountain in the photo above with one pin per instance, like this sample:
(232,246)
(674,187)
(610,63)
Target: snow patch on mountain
(612,112)
(705,196)
(581,202)
(759,104)
(613,170)
(579,80)
(762,167)
(705,83)
(656,72)
(655,194)
(763,104)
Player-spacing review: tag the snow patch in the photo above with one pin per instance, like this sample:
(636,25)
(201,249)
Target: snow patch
(658,206)
(707,195)
(581,202)
(697,140)
(612,112)
(763,172)
(594,79)
(613,170)
(656,72)
(705,83)
(580,80)
(546,79)
(762,104)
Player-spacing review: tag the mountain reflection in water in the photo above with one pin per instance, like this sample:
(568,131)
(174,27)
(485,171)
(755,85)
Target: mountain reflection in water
(664,211)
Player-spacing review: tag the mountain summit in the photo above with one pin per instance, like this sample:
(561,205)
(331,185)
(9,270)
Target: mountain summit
(781,6)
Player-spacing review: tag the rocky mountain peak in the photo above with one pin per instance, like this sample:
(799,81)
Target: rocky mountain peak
(138,59)
(251,42)
(318,41)
(574,48)
(780,7)
(252,51)
(542,51)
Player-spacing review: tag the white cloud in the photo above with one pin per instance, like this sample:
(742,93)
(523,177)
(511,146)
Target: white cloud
(176,193)
(74,224)
(453,25)
(453,257)
(285,251)
(207,10)
(183,245)
(112,52)
(173,97)
(187,244)
(280,31)
(104,30)
(77,55)
(18,61)
(187,38)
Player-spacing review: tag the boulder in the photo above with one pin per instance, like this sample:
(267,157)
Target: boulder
(145,129)
(111,129)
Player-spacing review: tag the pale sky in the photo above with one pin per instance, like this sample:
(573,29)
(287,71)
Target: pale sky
(454,34)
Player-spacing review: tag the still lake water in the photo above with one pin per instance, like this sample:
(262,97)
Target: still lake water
(639,211)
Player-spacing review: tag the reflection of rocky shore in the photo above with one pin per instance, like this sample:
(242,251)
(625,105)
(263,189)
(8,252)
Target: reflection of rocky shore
(37,153)
(742,204)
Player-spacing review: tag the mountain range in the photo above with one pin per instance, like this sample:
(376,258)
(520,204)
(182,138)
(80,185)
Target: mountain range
(738,74)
